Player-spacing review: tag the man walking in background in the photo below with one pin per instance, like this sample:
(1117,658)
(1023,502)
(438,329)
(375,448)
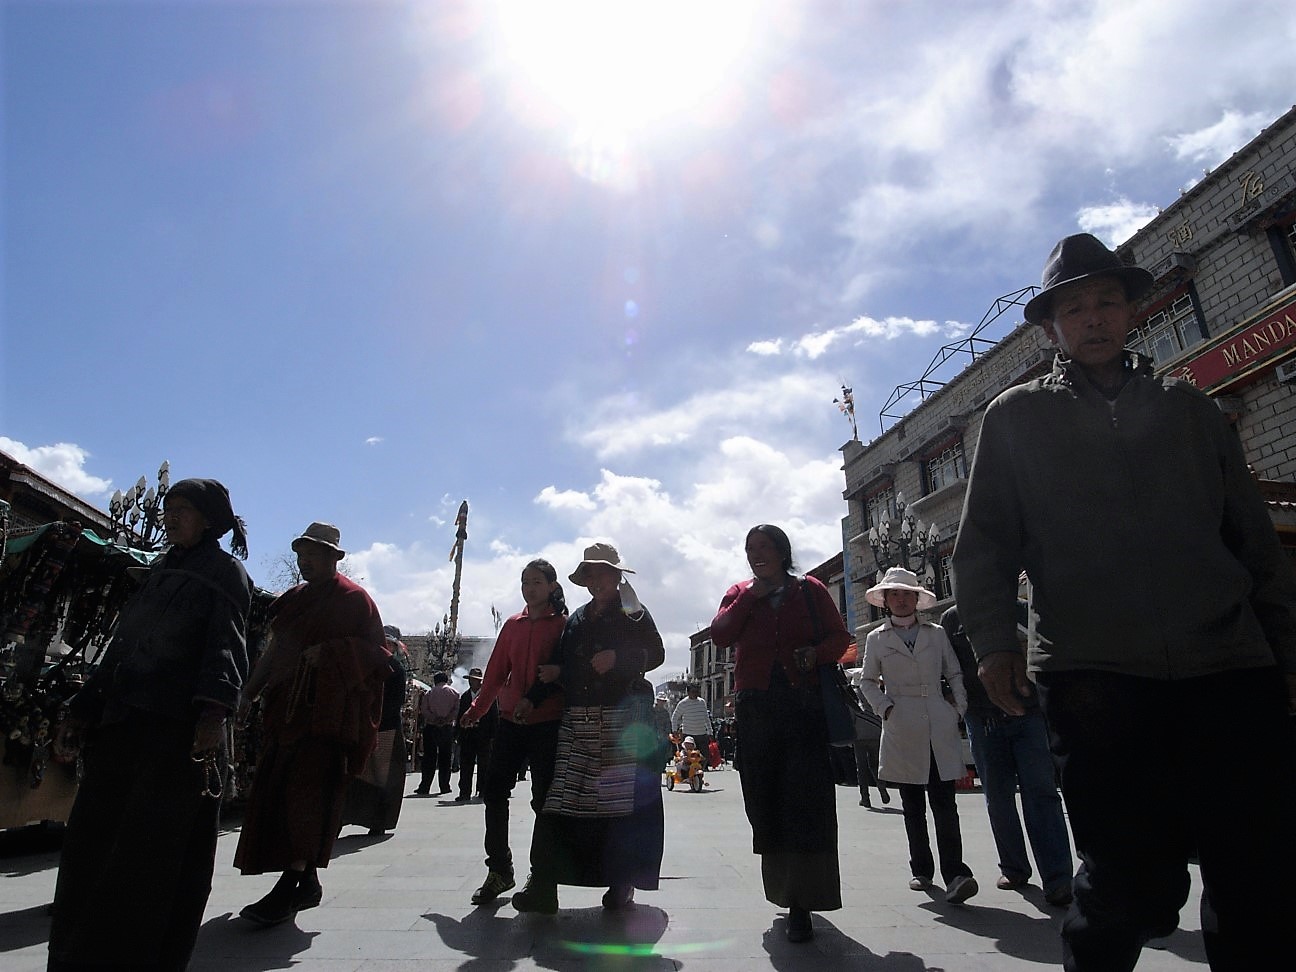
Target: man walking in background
(438,710)
(475,740)
(692,718)
(1012,751)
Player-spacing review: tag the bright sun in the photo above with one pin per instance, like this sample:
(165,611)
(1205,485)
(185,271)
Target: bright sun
(617,71)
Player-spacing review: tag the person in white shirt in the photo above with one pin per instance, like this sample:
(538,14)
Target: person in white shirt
(692,718)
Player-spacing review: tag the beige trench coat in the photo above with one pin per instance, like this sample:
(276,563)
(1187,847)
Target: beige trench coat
(921,721)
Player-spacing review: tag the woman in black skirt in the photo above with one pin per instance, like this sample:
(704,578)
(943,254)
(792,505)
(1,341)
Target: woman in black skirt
(783,628)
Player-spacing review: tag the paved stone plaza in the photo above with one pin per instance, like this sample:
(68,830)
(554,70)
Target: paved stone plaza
(400,902)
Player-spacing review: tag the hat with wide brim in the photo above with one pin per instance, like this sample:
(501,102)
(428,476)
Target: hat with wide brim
(474,673)
(598,553)
(1078,258)
(899,579)
(324,534)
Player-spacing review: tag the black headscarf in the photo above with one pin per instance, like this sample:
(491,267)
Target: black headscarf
(212,500)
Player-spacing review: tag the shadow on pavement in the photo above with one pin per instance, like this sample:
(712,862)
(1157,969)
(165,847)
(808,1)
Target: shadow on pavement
(834,950)
(626,939)
(227,943)
(23,929)
(351,843)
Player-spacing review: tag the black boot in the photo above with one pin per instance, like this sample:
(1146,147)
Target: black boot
(309,893)
(277,906)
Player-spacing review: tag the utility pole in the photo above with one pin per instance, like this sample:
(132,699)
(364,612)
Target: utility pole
(456,554)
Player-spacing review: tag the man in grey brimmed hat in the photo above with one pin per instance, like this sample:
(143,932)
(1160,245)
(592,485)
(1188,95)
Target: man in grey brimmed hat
(320,682)
(1162,594)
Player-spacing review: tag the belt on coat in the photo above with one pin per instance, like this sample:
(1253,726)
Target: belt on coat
(923,689)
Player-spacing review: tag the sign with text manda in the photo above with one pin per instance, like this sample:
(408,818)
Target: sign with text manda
(1242,351)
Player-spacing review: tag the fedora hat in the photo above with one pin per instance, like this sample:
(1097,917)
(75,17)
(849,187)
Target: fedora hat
(598,553)
(899,579)
(474,673)
(325,534)
(1083,257)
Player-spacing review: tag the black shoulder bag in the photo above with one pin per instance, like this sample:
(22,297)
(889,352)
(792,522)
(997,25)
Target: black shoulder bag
(841,703)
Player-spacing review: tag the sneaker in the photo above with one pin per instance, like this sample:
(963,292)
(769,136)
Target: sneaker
(961,888)
(618,896)
(536,898)
(1006,883)
(494,885)
(1060,896)
(919,883)
(799,926)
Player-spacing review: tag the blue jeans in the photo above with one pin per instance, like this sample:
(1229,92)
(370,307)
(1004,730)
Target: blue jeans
(1010,751)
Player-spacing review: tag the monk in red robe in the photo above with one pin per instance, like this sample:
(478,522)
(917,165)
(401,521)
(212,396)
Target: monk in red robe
(320,681)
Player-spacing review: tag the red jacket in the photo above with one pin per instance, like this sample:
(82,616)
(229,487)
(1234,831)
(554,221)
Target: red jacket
(764,636)
(523,645)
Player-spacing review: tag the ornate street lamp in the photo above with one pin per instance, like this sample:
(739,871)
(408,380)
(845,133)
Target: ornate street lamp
(917,543)
(136,515)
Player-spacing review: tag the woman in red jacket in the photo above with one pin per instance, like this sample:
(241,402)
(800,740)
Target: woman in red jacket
(783,628)
(526,733)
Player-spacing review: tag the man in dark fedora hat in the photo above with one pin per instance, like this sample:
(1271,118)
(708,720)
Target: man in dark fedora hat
(1163,596)
(320,682)
(475,740)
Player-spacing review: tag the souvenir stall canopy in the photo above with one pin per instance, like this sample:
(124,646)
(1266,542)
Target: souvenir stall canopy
(62,589)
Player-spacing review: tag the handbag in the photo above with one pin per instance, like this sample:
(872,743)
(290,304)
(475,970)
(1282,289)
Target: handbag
(841,703)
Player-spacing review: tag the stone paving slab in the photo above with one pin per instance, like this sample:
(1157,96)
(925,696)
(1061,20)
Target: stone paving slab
(401,902)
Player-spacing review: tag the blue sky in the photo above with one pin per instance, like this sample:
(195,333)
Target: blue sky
(600,273)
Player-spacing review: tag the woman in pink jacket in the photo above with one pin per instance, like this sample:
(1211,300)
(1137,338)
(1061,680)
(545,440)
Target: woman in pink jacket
(526,734)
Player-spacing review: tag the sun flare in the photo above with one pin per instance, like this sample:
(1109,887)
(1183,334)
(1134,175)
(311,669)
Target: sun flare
(610,72)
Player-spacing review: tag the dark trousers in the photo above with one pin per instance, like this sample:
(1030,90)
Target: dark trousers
(138,854)
(949,839)
(514,747)
(866,763)
(1153,771)
(474,752)
(438,745)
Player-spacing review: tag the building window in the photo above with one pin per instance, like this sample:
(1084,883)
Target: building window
(946,466)
(1167,332)
(944,586)
(881,505)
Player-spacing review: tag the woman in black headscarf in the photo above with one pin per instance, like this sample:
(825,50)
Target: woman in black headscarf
(141,840)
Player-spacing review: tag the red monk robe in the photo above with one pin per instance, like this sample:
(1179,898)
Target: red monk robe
(320,723)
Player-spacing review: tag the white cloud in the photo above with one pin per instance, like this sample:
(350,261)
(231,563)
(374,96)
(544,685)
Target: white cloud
(680,526)
(818,343)
(1215,143)
(1114,223)
(64,463)
(766,348)
(373,440)
(565,499)
(701,419)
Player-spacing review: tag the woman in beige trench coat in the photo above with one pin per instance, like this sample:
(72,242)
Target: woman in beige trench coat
(922,752)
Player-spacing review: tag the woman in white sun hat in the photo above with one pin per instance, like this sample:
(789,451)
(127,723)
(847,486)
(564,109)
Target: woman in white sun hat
(602,822)
(905,660)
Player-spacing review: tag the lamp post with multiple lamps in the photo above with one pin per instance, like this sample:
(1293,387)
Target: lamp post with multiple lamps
(137,514)
(916,542)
